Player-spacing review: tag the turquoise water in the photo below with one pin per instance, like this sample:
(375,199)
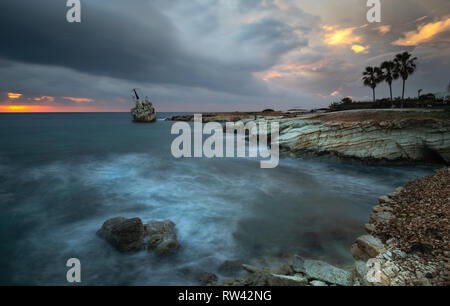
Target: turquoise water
(63,175)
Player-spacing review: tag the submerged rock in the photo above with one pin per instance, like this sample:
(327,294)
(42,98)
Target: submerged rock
(208,278)
(230,267)
(161,237)
(124,234)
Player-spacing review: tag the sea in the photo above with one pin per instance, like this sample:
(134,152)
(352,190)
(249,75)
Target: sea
(63,174)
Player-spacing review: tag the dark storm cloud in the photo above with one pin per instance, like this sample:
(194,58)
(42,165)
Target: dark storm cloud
(223,54)
(111,41)
(269,32)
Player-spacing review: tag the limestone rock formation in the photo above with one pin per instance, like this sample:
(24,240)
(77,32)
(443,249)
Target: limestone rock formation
(144,111)
(408,140)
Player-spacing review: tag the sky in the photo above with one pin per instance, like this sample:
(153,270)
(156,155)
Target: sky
(212,55)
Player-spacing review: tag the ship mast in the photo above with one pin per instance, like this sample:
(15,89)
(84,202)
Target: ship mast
(135,93)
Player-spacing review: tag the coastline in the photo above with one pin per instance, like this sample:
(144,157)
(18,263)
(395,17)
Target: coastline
(409,244)
(372,136)
(383,137)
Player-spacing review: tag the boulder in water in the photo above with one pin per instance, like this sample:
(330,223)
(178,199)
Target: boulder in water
(161,237)
(124,234)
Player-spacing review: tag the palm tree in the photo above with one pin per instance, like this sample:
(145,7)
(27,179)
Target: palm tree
(389,74)
(372,76)
(405,65)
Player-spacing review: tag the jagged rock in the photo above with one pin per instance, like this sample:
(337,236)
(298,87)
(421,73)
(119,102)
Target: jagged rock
(370,245)
(253,269)
(143,112)
(317,283)
(361,270)
(207,278)
(285,270)
(359,254)
(370,228)
(124,234)
(161,237)
(320,270)
(230,267)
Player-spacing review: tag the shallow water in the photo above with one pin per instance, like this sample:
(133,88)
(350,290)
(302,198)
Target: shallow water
(63,175)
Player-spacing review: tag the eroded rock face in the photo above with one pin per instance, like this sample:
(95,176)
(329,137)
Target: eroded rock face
(144,112)
(161,237)
(124,234)
(408,140)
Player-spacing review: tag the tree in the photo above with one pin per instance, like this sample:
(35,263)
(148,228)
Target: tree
(405,65)
(389,74)
(372,76)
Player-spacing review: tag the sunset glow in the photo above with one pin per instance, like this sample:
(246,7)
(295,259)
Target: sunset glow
(341,36)
(424,33)
(79,100)
(360,49)
(50,109)
(12,95)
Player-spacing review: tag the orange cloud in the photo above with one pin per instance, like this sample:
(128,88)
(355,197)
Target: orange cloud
(12,95)
(424,33)
(79,100)
(47,98)
(360,49)
(271,75)
(384,29)
(335,93)
(341,36)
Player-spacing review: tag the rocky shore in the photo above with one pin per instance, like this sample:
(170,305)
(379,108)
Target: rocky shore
(375,136)
(409,233)
(407,243)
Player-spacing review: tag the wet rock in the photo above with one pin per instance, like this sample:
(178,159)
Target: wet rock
(370,245)
(161,237)
(285,270)
(370,228)
(254,269)
(207,278)
(359,254)
(361,270)
(284,280)
(317,283)
(320,270)
(230,267)
(124,234)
